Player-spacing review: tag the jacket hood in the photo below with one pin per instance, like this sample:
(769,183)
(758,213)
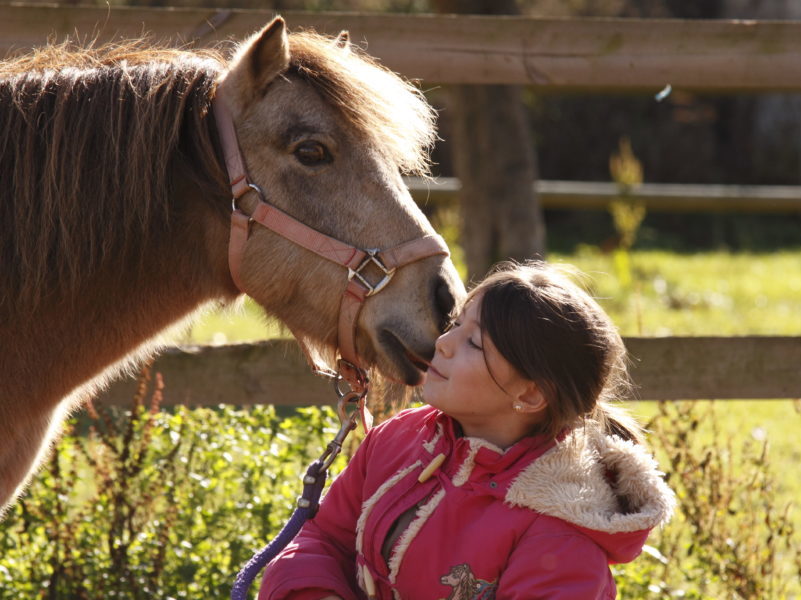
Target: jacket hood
(610,488)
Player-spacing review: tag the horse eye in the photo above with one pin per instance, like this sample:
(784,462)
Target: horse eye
(312,154)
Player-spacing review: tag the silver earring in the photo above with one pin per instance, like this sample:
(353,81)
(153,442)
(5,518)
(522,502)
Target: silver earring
(517,406)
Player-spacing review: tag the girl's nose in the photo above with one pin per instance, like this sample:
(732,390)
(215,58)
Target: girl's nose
(443,344)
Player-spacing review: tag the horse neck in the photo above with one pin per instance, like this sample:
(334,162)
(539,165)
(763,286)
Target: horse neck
(87,309)
(93,179)
(76,338)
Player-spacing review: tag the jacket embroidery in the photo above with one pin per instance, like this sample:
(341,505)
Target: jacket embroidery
(431,444)
(466,469)
(466,586)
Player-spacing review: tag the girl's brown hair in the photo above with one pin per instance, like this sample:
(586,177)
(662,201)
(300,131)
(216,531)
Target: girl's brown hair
(553,333)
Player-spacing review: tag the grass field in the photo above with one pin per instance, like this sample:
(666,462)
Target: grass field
(714,293)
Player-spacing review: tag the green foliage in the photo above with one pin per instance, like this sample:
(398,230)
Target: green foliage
(155,504)
(732,537)
(627,211)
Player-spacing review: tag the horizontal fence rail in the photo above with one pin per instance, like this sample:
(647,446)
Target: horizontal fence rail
(659,197)
(552,54)
(669,368)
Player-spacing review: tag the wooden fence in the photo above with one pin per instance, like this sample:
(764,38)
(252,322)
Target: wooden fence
(658,197)
(669,368)
(549,54)
(598,55)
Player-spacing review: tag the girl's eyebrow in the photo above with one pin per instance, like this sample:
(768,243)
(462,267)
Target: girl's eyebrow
(462,318)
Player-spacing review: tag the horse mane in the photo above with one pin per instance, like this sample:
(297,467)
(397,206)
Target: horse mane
(91,138)
(93,135)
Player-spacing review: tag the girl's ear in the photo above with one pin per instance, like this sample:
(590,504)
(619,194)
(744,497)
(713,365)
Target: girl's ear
(530,399)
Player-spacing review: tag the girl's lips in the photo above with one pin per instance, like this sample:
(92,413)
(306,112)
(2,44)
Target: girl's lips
(433,370)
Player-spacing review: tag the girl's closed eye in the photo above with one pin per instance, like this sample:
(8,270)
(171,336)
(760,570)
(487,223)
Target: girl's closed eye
(470,342)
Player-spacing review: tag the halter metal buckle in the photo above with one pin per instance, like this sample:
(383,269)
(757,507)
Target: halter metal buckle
(254,188)
(371,258)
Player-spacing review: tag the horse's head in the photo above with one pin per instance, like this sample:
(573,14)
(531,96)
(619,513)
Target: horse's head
(326,133)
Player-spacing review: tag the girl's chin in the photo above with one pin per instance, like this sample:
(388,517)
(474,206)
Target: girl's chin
(428,390)
(431,398)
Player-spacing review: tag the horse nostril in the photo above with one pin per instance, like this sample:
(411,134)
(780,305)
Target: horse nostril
(445,302)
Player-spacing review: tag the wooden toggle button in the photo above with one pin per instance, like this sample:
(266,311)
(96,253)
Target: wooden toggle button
(369,582)
(431,468)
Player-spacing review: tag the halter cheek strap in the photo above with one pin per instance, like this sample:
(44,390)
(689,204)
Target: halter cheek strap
(281,223)
(355,260)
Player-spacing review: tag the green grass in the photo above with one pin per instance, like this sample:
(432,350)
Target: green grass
(711,293)
(242,323)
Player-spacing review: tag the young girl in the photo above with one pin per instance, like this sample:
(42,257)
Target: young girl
(517,481)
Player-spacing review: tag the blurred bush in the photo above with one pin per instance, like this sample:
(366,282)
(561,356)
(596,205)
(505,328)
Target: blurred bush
(731,537)
(151,504)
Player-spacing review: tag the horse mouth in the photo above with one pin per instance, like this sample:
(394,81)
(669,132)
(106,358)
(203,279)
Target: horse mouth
(407,366)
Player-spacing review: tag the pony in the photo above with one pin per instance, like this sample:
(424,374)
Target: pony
(466,586)
(115,213)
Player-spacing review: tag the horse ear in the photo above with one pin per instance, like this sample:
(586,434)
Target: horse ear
(269,53)
(343,40)
(260,60)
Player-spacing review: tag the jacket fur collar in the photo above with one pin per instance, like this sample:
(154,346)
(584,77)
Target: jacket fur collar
(596,481)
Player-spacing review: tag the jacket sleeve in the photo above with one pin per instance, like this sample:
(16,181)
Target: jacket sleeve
(557,566)
(322,555)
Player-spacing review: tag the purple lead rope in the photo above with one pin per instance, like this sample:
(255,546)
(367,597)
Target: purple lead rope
(352,399)
(313,483)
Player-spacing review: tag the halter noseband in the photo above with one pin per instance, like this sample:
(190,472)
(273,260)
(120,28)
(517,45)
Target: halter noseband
(358,288)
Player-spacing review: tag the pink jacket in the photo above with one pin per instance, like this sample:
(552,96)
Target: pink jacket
(541,520)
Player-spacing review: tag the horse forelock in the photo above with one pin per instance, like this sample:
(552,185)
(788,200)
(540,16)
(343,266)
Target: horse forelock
(391,113)
(90,136)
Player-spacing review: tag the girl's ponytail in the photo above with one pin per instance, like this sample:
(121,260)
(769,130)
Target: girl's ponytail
(615,420)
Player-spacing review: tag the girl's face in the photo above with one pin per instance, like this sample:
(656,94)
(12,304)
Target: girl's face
(460,382)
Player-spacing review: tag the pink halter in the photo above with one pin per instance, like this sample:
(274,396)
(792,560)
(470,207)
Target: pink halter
(355,260)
